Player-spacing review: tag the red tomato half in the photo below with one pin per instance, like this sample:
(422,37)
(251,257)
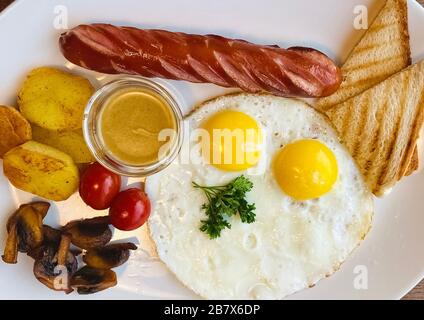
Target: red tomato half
(98,186)
(129,210)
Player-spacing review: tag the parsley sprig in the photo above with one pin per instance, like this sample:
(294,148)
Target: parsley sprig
(224,202)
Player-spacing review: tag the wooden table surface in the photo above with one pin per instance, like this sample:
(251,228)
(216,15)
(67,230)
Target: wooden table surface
(416,294)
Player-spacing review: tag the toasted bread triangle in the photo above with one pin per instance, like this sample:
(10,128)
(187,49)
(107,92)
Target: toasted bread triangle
(380,127)
(383,51)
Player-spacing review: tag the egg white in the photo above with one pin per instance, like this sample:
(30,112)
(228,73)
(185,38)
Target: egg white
(292,244)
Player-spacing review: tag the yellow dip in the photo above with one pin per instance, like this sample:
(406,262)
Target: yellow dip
(130,122)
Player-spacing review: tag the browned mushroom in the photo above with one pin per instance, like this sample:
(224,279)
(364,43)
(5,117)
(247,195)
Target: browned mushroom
(55,262)
(89,280)
(56,266)
(51,238)
(11,249)
(110,256)
(25,229)
(40,207)
(89,233)
(51,235)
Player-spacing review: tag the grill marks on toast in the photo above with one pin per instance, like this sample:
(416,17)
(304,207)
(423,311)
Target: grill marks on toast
(380,127)
(373,46)
(384,153)
(388,171)
(360,124)
(368,139)
(371,64)
(383,51)
(408,156)
(381,26)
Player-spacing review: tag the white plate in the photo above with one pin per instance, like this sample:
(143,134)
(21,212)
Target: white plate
(392,252)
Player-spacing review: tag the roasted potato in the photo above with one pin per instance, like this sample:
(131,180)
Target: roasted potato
(70,142)
(14,129)
(54,99)
(41,170)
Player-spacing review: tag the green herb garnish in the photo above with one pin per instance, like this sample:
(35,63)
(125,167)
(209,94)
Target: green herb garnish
(224,202)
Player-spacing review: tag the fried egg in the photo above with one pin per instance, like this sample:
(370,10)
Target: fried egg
(312,205)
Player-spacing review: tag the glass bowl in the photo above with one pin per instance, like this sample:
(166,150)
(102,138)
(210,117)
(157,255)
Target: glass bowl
(93,136)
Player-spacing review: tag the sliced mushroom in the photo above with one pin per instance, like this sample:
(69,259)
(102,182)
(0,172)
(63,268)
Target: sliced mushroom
(89,233)
(51,235)
(110,256)
(89,280)
(51,238)
(25,229)
(63,250)
(40,207)
(56,266)
(30,229)
(11,249)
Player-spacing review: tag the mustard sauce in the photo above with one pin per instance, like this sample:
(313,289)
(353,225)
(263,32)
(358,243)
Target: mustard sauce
(130,123)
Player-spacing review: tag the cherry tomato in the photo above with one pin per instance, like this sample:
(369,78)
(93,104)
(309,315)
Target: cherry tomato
(129,210)
(98,186)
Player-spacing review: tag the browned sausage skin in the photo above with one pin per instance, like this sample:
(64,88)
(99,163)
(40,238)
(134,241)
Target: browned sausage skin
(295,72)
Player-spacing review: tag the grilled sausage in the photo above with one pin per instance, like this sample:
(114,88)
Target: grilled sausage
(297,71)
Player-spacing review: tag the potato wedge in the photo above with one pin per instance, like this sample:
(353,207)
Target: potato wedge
(70,142)
(54,99)
(41,170)
(14,129)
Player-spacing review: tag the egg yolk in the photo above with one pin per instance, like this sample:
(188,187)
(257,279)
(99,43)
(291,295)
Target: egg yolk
(305,169)
(234,141)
